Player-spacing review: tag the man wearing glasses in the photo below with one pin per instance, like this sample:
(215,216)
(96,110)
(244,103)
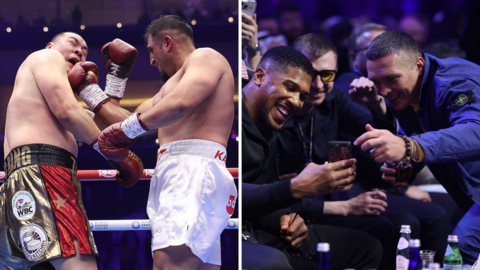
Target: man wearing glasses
(304,138)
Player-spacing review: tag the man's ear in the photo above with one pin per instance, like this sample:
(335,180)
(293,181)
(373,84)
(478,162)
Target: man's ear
(420,65)
(259,76)
(49,45)
(167,43)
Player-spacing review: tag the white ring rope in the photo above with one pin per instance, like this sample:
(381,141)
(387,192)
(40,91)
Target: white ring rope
(138,225)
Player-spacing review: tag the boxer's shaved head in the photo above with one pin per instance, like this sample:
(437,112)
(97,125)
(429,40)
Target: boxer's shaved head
(172,25)
(72,36)
(57,36)
(61,34)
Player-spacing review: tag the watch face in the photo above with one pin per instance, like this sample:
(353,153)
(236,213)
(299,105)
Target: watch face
(255,50)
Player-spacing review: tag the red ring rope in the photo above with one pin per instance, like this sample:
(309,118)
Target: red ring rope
(94,175)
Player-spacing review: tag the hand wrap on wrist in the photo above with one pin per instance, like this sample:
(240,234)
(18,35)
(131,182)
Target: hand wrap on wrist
(115,86)
(94,97)
(133,126)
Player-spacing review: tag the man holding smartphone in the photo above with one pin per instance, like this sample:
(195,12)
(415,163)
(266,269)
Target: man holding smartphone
(277,91)
(305,137)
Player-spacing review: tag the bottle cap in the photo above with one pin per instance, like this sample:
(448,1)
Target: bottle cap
(452,238)
(415,243)
(405,229)
(323,247)
(434,266)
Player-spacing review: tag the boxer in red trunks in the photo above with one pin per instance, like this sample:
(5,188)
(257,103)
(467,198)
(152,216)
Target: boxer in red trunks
(42,217)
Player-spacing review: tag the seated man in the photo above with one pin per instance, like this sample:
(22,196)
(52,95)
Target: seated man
(305,137)
(276,92)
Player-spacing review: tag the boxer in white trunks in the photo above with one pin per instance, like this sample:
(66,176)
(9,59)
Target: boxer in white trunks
(192,195)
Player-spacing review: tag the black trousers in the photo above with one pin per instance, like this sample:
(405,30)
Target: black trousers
(349,248)
(380,227)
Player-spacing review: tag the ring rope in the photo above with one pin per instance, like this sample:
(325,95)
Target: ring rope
(100,175)
(138,225)
(126,224)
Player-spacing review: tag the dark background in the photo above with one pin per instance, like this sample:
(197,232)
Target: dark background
(440,27)
(22,31)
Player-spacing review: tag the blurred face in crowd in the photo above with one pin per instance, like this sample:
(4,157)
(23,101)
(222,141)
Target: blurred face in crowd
(320,89)
(280,95)
(359,59)
(291,24)
(396,79)
(268,24)
(416,29)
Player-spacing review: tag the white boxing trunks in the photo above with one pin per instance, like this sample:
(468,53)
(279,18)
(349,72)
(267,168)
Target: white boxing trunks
(192,196)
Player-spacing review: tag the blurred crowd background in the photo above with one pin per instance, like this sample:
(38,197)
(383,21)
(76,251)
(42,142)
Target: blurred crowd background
(444,28)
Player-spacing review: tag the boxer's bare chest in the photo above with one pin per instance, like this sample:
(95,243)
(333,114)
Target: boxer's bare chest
(169,86)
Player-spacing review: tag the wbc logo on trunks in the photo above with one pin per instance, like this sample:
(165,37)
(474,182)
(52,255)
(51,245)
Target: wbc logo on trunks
(34,241)
(23,205)
(107,173)
(231,204)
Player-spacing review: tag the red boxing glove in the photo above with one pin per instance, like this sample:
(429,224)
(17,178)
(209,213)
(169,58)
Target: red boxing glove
(82,75)
(119,57)
(129,170)
(83,78)
(113,143)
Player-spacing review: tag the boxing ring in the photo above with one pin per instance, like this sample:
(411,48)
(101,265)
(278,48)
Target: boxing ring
(126,224)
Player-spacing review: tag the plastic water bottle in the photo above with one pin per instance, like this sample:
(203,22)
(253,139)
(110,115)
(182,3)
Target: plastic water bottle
(453,259)
(434,266)
(403,248)
(415,261)
(323,249)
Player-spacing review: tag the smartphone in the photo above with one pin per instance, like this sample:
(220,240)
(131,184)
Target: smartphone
(339,150)
(249,7)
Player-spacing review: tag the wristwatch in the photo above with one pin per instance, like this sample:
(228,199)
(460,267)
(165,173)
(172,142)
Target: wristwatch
(255,50)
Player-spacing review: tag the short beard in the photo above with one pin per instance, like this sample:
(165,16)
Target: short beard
(263,113)
(164,76)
